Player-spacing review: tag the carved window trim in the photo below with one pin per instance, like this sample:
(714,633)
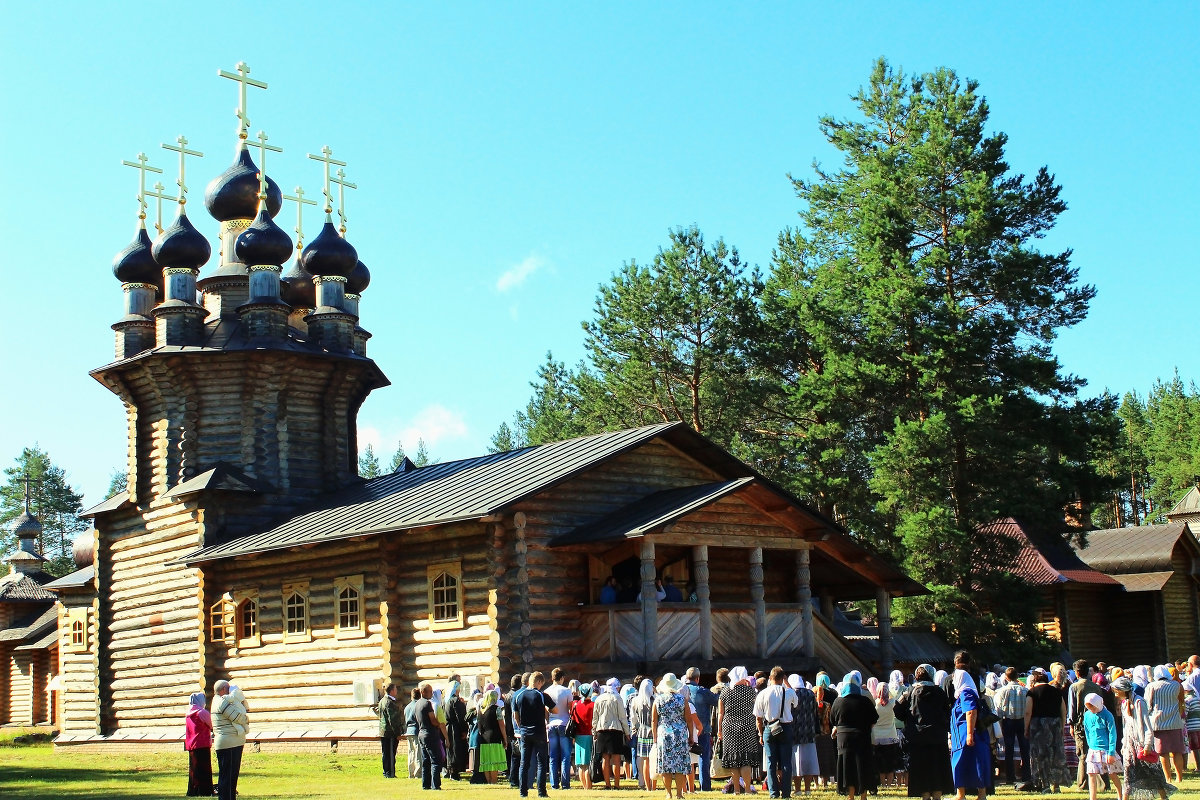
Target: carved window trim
(247,621)
(77,630)
(349,611)
(222,621)
(445,595)
(297,626)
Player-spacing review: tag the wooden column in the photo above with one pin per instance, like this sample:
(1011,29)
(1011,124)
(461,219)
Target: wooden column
(649,602)
(827,607)
(804,598)
(883,613)
(703,599)
(758,595)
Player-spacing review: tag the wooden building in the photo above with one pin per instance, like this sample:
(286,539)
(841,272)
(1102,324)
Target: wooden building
(247,548)
(28,633)
(1158,619)
(1075,598)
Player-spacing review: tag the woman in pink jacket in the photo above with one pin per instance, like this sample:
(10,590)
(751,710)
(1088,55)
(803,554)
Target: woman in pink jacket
(198,742)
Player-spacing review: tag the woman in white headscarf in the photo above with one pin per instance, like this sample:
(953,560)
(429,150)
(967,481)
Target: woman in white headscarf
(737,729)
(896,685)
(641,725)
(970,744)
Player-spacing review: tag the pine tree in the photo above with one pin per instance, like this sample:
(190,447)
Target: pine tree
(118,481)
(52,500)
(502,440)
(422,459)
(398,457)
(368,463)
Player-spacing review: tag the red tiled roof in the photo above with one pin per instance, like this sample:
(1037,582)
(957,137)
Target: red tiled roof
(1045,562)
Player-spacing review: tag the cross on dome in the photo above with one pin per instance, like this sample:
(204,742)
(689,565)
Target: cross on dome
(183,152)
(343,185)
(159,195)
(263,147)
(327,159)
(243,78)
(142,166)
(300,202)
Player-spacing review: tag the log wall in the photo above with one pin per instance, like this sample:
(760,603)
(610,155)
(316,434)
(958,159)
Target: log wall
(1179,607)
(20,687)
(1089,610)
(78,682)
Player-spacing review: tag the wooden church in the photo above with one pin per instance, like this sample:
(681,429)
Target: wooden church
(247,548)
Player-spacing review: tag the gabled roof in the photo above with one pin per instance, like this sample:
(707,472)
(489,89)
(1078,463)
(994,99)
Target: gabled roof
(74,580)
(49,639)
(1143,581)
(1145,548)
(439,493)
(111,504)
(1045,560)
(223,476)
(32,626)
(642,516)
(26,588)
(1188,506)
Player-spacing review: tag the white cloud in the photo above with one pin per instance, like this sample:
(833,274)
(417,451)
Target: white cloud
(434,423)
(517,274)
(369,436)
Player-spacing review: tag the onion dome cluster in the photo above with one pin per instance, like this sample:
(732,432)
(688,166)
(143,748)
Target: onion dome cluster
(359,279)
(297,288)
(136,264)
(234,193)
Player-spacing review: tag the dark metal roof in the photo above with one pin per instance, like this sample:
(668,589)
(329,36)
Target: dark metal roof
(642,516)
(74,580)
(31,626)
(1044,560)
(1144,581)
(222,476)
(29,587)
(1188,506)
(25,524)
(111,504)
(908,647)
(1146,548)
(436,494)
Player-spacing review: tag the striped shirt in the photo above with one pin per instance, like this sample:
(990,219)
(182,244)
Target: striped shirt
(1192,703)
(1010,701)
(1163,698)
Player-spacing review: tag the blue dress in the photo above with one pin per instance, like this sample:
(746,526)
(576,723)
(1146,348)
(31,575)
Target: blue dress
(674,758)
(971,766)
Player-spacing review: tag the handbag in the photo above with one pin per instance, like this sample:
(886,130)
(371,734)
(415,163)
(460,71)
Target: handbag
(572,729)
(695,749)
(1147,756)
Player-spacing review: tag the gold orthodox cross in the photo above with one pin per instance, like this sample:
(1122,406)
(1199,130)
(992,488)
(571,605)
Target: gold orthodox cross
(300,204)
(159,195)
(183,151)
(142,166)
(243,78)
(326,157)
(343,185)
(263,147)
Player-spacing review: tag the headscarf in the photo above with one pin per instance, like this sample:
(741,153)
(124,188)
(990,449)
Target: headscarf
(895,681)
(627,693)
(197,700)
(489,699)
(939,677)
(646,691)
(1161,674)
(738,675)
(992,682)
(437,698)
(795,681)
(573,685)
(851,684)
(872,685)
(963,680)
(1141,675)
(585,690)
(1122,684)
(822,681)
(929,670)
(857,676)
(1094,699)
(882,694)
(614,685)
(452,690)
(1100,680)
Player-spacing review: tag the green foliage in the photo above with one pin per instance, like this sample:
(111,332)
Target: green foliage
(397,458)
(52,500)
(118,481)
(368,463)
(422,459)
(556,409)
(502,440)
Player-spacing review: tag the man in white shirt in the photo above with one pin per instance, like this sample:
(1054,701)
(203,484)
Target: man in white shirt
(556,731)
(773,712)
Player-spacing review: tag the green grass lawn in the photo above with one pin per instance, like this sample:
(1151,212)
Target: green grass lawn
(36,772)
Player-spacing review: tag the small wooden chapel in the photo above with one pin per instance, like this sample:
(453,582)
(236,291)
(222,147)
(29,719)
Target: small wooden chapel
(247,547)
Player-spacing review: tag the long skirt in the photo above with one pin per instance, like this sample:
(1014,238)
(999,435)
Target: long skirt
(200,782)
(1048,759)
(1145,781)
(492,758)
(855,764)
(826,755)
(929,763)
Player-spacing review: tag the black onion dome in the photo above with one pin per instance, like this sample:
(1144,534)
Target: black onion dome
(329,254)
(234,193)
(136,264)
(359,279)
(263,242)
(297,288)
(181,245)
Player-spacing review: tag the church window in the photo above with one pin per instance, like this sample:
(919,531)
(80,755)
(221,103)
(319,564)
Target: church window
(349,611)
(445,595)
(221,620)
(77,636)
(77,626)
(247,619)
(295,613)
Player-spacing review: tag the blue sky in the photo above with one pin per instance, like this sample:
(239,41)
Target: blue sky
(510,157)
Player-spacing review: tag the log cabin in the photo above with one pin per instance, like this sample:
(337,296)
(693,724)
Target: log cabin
(247,548)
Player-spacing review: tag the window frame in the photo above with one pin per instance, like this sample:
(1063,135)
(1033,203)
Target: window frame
(451,569)
(247,598)
(352,583)
(299,588)
(76,616)
(225,630)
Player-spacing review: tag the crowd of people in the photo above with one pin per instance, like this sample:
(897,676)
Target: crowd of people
(930,733)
